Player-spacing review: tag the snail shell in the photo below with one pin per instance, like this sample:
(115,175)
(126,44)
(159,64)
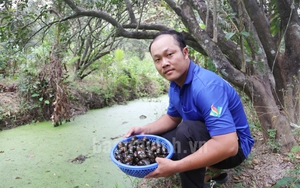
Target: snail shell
(139,151)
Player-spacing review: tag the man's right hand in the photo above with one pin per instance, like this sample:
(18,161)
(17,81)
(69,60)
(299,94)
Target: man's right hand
(163,124)
(135,131)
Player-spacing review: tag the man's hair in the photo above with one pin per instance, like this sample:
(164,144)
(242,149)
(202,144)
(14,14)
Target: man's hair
(176,35)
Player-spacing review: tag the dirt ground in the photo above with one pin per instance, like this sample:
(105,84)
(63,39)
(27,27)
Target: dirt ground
(9,106)
(262,169)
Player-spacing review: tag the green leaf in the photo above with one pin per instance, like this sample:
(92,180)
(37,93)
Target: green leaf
(41,99)
(47,102)
(202,26)
(35,95)
(231,15)
(74,59)
(284,181)
(295,149)
(229,35)
(246,34)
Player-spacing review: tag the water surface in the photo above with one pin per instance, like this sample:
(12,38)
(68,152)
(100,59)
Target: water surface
(39,155)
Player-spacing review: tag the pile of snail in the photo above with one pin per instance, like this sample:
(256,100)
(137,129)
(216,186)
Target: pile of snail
(139,152)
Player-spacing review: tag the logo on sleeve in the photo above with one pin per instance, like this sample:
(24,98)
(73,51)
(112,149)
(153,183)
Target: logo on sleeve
(215,111)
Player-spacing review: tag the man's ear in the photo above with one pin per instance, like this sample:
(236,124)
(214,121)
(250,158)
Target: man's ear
(185,51)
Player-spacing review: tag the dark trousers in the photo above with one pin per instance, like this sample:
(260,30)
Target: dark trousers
(187,138)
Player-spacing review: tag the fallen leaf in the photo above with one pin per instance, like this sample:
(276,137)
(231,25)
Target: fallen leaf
(143,117)
(30,155)
(255,161)
(115,137)
(285,159)
(236,177)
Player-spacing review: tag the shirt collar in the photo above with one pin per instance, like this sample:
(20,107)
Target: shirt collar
(189,76)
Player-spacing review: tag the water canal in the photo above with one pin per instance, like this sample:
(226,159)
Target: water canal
(75,154)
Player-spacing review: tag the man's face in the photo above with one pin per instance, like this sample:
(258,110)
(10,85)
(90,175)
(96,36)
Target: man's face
(171,62)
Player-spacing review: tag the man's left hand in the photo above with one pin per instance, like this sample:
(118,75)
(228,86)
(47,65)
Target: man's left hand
(166,168)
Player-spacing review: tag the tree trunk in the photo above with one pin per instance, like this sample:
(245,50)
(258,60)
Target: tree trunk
(268,113)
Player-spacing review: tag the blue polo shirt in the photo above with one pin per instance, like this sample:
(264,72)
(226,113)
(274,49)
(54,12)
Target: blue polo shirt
(207,97)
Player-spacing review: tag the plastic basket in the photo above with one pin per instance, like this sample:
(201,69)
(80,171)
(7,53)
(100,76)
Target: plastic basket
(141,171)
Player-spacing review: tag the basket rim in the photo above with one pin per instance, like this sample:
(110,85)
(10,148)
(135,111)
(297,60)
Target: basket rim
(121,165)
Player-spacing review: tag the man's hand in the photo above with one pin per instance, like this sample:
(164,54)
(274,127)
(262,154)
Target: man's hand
(166,168)
(162,125)
(135,131)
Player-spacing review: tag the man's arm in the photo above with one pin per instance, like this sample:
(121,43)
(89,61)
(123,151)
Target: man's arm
(162,125)
(213,151)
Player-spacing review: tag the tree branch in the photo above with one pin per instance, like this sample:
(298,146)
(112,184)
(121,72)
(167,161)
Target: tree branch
(72,5)
(215,22)
(228,47)
(262,28)
(130,11)
(291,25)
(174,6)
(98,14)
(221,62)
(156,27)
